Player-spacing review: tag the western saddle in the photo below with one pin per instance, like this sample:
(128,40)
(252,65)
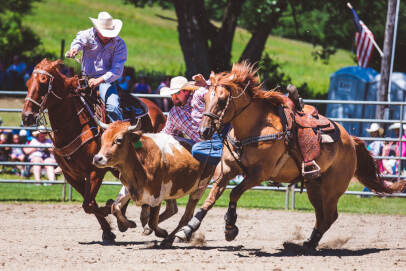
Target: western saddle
(310,130)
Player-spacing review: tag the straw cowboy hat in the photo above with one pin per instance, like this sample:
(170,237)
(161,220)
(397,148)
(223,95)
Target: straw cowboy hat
(375,127)
(41,129)
(106,25)
(177,84)
(396,126)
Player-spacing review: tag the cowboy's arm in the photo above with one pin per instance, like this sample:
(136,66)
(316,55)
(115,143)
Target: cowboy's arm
(171,127)
(78,43)
(117,67)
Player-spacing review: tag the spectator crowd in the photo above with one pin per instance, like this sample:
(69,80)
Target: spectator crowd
(35,154)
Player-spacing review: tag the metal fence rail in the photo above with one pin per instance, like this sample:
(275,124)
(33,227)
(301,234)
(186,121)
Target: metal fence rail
(289,190)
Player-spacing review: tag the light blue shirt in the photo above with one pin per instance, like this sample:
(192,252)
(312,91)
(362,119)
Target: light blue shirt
(98,59)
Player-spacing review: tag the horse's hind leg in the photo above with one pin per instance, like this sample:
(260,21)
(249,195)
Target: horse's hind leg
(324,193)
(314,194)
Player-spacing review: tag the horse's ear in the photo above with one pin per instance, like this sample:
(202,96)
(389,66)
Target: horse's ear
(57,63)
(44,61)
(212,77)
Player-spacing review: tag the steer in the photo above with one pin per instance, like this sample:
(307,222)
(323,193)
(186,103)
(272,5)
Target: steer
(153,168)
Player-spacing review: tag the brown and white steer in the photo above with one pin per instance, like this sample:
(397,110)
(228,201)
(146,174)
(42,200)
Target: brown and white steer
(153,168)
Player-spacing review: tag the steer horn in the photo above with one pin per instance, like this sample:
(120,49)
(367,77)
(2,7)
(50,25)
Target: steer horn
(100,123)
(135,127)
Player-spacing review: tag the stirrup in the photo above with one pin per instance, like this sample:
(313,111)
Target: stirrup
(310,170)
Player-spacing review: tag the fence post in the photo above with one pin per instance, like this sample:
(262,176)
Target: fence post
(63,189)
(70,192)
(287,198)
(62,49)
(293,196)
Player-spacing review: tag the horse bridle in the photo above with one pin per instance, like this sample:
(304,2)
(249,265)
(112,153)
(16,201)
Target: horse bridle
(221,115)
(50,91)
(45,97)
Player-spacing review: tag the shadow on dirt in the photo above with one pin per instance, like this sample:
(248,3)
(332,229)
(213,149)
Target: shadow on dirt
(292,249)
(289,249)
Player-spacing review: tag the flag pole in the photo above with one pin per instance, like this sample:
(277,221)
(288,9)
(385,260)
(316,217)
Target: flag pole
(369,35)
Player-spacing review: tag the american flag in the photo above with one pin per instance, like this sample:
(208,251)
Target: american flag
(363,41)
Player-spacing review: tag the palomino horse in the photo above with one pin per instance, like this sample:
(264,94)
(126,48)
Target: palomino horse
(237,97)
(75,134)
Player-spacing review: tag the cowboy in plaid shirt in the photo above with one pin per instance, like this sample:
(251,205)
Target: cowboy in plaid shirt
(186,115)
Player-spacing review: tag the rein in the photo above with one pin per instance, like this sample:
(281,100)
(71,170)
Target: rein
(239,144)
(42,118)
(81,139)
(221,116)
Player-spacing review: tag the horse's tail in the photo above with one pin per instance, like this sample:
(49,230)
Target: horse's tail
(368,173)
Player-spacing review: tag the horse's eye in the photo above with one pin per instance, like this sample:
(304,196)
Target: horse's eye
(221,103)
(118,141)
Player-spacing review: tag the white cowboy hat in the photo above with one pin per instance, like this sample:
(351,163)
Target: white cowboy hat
(375,127)
(106,25)
(40,129)
(174,87)
(396,126)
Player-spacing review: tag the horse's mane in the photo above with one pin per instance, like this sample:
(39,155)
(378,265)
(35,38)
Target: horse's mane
(244,73)
(53,67)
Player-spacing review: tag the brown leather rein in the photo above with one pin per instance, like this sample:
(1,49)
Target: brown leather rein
(80,140)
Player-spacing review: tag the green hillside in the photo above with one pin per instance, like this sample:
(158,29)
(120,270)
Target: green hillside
(152,39)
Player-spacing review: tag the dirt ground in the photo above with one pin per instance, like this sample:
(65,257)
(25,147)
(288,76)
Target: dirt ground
(63,237)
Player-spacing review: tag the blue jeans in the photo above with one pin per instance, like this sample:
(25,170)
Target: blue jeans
(209,150)
(109,94)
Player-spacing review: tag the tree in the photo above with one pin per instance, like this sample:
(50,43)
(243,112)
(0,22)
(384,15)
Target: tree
(208,47)
(15,39)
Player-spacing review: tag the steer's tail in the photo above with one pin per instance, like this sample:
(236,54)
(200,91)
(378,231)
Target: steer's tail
(368,174)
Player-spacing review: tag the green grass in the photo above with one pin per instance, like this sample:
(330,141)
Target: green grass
(250,199)
(152,39)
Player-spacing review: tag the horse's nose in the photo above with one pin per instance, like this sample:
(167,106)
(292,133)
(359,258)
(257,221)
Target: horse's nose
(99,160)
(205,132)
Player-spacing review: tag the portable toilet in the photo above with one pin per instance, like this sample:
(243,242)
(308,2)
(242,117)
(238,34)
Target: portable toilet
(351,84)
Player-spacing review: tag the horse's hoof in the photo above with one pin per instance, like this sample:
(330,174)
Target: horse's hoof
(147,231)
(230,234)
(108,238)
(309,246)
(184,234)
(167,243)
(121,227)
(161,233)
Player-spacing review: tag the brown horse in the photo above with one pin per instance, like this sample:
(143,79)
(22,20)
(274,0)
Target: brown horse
(237,97)
(76,138)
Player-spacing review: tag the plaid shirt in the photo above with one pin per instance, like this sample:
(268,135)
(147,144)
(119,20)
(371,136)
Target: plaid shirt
(186,119)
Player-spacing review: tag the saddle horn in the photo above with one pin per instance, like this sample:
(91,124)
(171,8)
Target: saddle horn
(295,97)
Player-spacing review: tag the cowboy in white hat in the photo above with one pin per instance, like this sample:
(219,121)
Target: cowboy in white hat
(104,55)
